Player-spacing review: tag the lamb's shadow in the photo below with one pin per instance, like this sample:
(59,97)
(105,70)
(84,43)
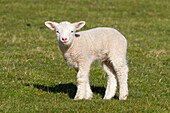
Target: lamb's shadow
(68,88)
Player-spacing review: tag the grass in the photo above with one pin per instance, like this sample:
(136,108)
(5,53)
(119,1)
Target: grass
(35,78)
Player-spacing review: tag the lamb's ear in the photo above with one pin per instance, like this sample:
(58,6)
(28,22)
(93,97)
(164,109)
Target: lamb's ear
(51,25)
(79,25)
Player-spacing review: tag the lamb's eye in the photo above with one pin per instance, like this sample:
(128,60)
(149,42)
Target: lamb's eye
(57,31)
(72,31)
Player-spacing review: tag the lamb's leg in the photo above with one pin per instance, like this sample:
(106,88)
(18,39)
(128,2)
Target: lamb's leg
(83,86)
(122,75)
(111,80)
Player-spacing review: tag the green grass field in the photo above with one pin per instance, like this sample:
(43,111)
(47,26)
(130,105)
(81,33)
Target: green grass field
(35,78)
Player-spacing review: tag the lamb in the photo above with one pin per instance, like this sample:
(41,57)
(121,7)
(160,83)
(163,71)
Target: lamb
(80,49)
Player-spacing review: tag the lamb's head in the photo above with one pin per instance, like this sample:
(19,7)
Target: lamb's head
(65,31)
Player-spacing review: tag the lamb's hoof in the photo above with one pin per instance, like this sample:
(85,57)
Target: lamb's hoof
(89,95)
(123,97)
(78,97)
(107,98)
(86,98)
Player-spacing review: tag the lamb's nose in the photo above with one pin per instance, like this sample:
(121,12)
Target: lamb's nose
(64,39)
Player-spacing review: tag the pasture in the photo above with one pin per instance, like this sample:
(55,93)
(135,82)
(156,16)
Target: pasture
(35,78)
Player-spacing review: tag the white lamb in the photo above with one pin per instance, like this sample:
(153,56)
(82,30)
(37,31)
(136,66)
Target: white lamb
(80,49)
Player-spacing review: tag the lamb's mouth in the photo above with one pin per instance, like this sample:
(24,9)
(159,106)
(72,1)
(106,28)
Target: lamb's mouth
(66,42)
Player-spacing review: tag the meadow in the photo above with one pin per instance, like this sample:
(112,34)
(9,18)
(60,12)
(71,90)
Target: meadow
(35,78)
